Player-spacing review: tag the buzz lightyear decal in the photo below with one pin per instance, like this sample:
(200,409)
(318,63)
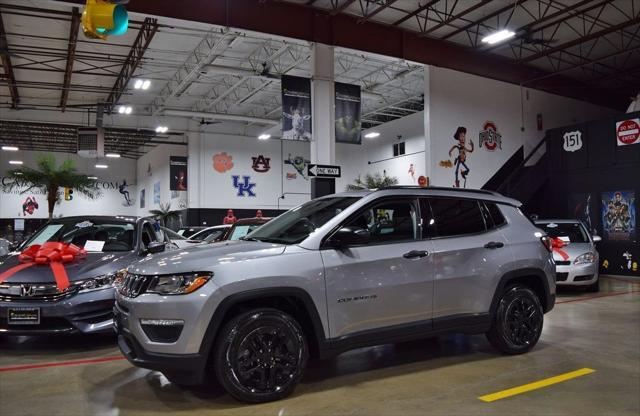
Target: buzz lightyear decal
(299,163)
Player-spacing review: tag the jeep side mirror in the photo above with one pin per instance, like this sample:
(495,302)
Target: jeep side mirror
(350,236)
(597,238)
(154,247)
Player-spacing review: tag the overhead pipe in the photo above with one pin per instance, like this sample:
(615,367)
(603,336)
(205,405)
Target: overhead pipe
(218,116)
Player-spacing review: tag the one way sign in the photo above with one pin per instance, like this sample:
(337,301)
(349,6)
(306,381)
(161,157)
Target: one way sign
(323,171)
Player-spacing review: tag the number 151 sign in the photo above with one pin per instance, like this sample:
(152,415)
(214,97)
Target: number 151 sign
(572,141)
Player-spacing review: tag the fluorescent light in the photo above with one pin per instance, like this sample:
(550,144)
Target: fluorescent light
(138,84)
(128,110)
(10,148)
(146,84)
(93,178)
(113,155)
(100,166)
(372,135)
(264,136)
(121,109)
(496,37)
(15,162)
(125,109)
(162,129)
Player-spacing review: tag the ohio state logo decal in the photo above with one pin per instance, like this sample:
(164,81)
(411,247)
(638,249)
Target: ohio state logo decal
(261,164)
(489,138)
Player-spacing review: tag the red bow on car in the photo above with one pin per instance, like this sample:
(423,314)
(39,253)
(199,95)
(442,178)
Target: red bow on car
(556,245)
(52,253)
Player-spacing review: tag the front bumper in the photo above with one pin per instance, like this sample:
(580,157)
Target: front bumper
(86,313)
(188,369)
(576,275)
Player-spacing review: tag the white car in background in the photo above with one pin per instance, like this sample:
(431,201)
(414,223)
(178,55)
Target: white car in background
(574,252)
(211,234)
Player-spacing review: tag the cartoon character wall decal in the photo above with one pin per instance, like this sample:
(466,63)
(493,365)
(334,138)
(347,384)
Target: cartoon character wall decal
(222,162)
(122,188)
(181,181)
(629,258)
(461,158)
(412,172)
(299,163)
(29,206)
(230,218)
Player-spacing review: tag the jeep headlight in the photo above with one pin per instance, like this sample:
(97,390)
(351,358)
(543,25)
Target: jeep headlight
(178,284)
(585,258)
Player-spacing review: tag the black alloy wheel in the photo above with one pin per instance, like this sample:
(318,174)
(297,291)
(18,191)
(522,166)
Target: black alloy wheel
(260,355)
(517,322)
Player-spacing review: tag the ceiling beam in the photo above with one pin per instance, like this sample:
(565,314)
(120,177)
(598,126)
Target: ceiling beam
(580,40)
(479,21)
(9,76)
(342,7)
(145,35)
(457,16)
(376,11)
(415,12)
(71,54)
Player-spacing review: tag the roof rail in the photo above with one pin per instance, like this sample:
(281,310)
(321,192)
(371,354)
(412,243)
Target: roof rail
(441,188)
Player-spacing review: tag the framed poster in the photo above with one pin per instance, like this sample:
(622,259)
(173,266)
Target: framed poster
(177,173)
(142,192)
(296,108)
(618,212)
(156,193)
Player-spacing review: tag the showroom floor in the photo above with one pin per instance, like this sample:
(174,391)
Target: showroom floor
(74,376)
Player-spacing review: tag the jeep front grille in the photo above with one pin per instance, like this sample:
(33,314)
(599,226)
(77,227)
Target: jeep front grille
(133,285)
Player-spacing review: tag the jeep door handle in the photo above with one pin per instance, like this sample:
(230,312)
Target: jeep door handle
(494,244)
(415,254)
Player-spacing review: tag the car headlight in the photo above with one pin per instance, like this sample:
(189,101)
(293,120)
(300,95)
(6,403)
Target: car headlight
(585,258)
(178,284)
(96,283)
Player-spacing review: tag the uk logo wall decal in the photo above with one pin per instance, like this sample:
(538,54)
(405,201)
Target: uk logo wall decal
(244,186)
(572,141)
(261,164)
(489,137)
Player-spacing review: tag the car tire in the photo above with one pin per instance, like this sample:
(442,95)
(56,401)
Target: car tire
(517,322)
(594,287)
(260,355)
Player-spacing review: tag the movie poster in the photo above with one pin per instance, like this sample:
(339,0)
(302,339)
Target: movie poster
(178,173)
(142,192)
(347,104)
(296,108)
(156,193)
(619,215)
(581,207)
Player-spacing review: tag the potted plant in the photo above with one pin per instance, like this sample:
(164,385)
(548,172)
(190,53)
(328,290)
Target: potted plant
(374,181)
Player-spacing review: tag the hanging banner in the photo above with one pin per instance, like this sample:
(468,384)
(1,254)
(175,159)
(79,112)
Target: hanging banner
(347,105)
(296,108)
(177,173)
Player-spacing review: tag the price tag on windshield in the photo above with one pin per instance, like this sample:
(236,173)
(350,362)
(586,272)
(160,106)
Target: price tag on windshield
(94,245)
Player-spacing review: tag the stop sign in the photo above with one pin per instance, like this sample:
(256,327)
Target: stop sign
(628,132)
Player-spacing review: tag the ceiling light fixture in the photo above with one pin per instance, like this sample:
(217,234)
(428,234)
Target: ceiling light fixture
(146,84)
(93,178)
(15,162)
(10,148)
(101,166)
(113,155)
(372,135)
(138,84)
(142,84)
(162,129)
(496,37)
(264,136)
(125,109)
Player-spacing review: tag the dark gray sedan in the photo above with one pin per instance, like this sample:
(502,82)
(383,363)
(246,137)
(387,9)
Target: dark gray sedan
(74,295)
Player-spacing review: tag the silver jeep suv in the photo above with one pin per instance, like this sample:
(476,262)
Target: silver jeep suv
(336,273)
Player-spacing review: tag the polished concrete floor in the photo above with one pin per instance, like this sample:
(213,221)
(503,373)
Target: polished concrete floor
(443,376)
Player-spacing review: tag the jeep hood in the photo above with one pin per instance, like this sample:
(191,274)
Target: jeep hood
(93,265)
(203,257)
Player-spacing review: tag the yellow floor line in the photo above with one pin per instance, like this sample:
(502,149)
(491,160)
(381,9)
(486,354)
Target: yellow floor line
(535,385)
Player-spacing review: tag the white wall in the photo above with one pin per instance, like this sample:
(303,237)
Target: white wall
(110,202)
(153,168)
(459,99)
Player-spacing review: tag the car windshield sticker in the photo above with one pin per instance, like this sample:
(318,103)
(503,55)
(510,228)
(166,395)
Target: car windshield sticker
(552,225)
(94,245)
(84,224)
(565,239)
(46,234)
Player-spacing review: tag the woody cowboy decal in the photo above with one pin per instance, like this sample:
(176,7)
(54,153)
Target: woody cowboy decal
(461,151)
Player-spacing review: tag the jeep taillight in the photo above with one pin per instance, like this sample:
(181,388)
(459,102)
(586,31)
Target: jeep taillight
(546,242)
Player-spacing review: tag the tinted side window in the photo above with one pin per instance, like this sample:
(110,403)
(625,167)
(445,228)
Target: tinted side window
(389,221)
(428,220)
(456,216)
(496,214)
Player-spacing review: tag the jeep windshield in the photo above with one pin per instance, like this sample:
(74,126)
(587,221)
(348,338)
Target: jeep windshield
(295,225)
(94,235)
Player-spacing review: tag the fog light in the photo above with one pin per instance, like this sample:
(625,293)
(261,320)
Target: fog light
(162,330)
(162,322)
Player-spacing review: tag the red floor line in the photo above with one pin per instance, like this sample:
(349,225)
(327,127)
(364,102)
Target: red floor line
(598,296)
(61,363)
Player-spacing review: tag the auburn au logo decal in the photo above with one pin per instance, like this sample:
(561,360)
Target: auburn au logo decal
(261,164)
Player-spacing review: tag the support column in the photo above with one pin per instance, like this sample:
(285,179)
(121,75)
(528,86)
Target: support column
(323,144)
(195,172)
(428,162)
